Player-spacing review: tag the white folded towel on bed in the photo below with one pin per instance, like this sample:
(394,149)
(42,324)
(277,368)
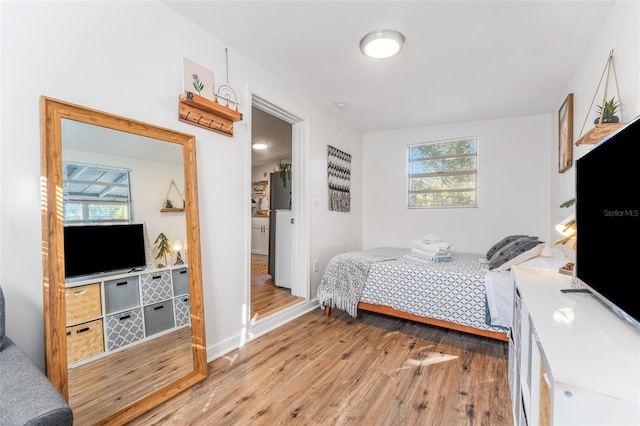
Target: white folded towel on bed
(431,238)
(429,257)
(438,247)
(430,254)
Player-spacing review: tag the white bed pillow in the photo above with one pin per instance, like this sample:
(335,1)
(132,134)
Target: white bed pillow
(550,258)
(531,253)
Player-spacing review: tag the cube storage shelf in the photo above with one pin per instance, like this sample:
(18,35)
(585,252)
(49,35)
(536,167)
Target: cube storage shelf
(113,312)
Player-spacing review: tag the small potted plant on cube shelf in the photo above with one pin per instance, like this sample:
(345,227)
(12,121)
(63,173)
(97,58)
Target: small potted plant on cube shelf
(164,248)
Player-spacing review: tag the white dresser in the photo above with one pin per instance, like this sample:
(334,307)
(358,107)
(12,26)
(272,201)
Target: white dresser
(572,361)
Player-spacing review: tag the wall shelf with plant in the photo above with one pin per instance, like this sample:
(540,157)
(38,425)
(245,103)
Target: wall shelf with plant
(169,205)
(199,111)
(606,121)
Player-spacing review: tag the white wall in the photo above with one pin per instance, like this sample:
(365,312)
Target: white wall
(513,182)
(620,32)
(126,58)
(520,189)
(329,226)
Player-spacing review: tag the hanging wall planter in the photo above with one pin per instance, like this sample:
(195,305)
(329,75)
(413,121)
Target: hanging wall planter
(171,204)
(606,121)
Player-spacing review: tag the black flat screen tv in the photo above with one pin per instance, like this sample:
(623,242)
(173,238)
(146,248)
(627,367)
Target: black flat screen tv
(100,249)
(608,220)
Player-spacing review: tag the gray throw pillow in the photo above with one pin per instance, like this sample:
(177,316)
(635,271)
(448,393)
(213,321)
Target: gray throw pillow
(502,243)
(512,250)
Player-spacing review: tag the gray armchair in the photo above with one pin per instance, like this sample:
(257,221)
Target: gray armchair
(27,397)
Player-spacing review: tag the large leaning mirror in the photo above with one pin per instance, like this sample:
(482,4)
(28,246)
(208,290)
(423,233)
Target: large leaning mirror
(124,324)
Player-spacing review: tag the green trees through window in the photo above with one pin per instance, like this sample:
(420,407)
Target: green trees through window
(443,174)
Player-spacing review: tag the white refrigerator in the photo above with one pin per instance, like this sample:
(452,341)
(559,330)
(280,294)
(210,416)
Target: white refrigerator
(283,261)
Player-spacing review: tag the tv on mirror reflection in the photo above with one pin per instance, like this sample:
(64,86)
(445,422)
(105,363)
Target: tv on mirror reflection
(100,249)
(608,221)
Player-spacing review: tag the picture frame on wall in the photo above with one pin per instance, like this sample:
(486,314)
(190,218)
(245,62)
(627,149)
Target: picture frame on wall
(197,79)
(565,134)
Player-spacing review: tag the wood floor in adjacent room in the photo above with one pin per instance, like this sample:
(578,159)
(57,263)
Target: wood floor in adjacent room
(266,297)
(336,370)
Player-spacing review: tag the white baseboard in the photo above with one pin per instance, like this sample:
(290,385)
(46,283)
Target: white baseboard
(258,328)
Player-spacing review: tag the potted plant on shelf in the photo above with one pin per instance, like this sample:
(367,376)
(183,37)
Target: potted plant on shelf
(606,113)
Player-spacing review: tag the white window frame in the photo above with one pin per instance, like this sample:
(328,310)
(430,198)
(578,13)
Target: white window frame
(410,176)
(87,200)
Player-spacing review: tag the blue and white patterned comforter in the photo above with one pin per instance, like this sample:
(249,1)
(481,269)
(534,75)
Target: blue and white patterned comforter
(451,291)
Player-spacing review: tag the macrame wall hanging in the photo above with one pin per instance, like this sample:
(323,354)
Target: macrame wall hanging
(339,177)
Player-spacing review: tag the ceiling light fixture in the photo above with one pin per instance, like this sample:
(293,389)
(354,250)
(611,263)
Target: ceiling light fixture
(259,145)
(382,44)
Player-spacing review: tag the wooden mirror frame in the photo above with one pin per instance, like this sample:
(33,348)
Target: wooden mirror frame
(52,112)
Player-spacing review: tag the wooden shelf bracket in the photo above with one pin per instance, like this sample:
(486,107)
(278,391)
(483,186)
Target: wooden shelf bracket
(202,112)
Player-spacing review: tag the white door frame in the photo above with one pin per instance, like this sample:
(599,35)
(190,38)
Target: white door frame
(300,145)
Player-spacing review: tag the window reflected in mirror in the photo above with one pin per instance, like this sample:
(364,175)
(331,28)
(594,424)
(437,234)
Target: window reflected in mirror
(95,194)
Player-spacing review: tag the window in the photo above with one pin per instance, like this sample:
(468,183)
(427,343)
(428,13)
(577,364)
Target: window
(443,174)
(95,194)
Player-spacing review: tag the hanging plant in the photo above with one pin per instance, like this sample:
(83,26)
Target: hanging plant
(568,203)
(285,172)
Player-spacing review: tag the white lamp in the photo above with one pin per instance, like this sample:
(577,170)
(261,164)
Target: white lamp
(177,246)
(567,228)
(186,253)
(382,44)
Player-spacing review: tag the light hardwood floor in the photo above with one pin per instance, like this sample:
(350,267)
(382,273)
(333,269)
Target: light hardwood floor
(105,386)
(336,370)
(102,387)
(266,297)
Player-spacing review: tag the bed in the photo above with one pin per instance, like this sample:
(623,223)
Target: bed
(451,294)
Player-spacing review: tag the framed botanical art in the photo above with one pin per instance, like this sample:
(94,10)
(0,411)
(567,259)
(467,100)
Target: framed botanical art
(565,134)
(197,79)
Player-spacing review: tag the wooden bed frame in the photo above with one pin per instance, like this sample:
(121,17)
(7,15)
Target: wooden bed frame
(425,320)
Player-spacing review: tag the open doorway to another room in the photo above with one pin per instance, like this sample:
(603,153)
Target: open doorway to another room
(271,207)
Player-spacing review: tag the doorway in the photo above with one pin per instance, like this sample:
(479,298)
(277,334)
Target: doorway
(272,205)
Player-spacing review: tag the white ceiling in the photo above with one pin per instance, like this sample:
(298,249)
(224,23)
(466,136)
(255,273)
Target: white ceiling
(463,60)
(88,137)
(273,132)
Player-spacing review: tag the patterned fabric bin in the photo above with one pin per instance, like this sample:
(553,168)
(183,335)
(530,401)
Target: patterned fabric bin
(183,310)
(156,287)
(124,328)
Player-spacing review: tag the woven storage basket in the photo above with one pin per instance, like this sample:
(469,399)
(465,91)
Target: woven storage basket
(83,303)
(84,341)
